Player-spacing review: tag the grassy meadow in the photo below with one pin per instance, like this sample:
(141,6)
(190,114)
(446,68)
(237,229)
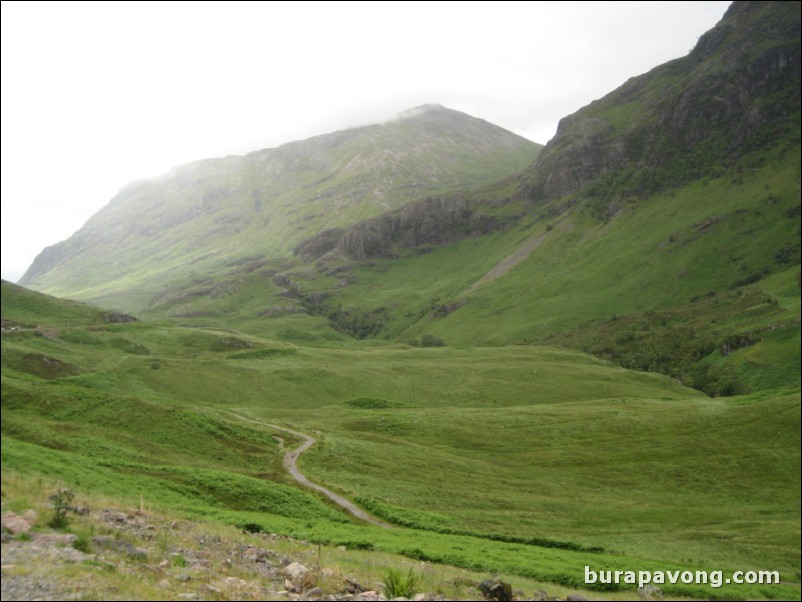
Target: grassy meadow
(531,461)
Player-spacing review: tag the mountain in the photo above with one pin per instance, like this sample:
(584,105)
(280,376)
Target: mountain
(736,91)
(504,370)
(206,214)
(659,229)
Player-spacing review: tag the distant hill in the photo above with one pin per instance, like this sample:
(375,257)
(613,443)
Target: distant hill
(209,213)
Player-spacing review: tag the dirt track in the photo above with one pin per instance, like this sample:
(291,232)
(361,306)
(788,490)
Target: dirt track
(291,464)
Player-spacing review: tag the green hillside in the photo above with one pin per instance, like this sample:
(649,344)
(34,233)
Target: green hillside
(518,459)
(525,363)
(204,217)
(642,211)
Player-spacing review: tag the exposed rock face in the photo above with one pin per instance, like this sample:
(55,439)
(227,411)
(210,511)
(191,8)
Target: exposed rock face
(116,317)
(677,121)
(432,221)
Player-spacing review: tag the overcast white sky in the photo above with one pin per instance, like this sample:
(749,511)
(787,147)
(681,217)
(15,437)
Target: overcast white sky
(97,94)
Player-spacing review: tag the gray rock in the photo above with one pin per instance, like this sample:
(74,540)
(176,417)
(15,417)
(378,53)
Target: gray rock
(314,594)
(300,576)
(650,592)
(496,590)
(55,539)
(110,543)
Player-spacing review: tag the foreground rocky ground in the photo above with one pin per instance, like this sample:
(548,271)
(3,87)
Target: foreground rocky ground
(114,554)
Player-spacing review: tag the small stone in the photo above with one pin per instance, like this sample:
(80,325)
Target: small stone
(164,563)
(314,593)
(183,577)
(540,596)
(188,596)
(352,587)
(30,516)
(15,524)
(575,598)
(650,592)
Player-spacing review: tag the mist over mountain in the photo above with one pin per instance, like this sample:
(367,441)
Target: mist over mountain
(492,355)
(440,224)
(263,203)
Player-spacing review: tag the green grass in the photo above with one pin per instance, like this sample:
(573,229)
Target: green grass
(688,266)
(485,453)
(529,460)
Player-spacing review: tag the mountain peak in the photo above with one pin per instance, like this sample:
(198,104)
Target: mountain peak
(422,110)
(264,203)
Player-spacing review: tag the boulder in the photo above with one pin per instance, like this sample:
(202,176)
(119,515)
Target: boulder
(496,590)
(15,524)
(300,577)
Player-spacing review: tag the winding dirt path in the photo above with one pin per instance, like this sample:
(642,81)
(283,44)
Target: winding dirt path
(291,464)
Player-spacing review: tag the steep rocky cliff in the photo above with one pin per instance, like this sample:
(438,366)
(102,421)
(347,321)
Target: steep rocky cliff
(736,90)
(432,221)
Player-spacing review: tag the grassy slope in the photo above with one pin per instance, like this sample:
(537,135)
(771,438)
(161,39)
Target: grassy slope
(521,442)
(202,218)
(28,309)
(177,541)
(667,253)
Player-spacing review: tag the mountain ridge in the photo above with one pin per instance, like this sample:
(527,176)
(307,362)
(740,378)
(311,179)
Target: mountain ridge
(280,193)
(685,174)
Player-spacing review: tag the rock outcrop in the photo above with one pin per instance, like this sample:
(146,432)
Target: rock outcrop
(738,88)
(432,221)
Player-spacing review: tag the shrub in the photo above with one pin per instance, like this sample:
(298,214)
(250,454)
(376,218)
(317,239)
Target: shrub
(398,586)
(61,503)
(252,528)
